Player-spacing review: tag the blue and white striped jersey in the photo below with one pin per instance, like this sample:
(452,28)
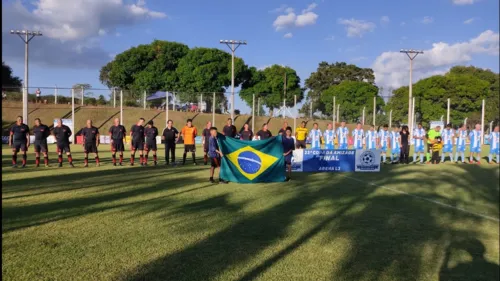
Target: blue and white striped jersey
(447,136)
(329,135)
(342,134)
(358,138)
(383,135)
(315,136)
(395,136)
(494,140)
(371,139)
(475,138)
(419,133)
(461,137)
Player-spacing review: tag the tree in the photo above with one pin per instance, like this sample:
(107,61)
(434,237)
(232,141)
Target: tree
(79,87)
(268,84)
(101,100)
(352,96)
(9,80)
(328,75)
(104,75)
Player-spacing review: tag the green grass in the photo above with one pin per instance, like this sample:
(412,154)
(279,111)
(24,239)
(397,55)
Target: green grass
(164,223)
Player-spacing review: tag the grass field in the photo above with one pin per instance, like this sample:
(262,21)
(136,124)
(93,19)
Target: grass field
(408,222)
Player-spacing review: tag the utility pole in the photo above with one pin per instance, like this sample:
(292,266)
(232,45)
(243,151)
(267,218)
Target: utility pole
(412,54)
(482,121)
(233,45)
(295,114)
(258,107)
(114,97)
(374,109)
(213,110)
(166,108)
(363,118)
(253,111)
(26,36)
(145,101)
(73,113)
(448,112)
(121,107)
(55,95)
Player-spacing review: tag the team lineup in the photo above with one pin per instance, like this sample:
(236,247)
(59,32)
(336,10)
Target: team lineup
(430,146)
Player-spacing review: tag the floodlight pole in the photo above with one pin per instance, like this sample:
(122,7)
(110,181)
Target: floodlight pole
(412,54)
(26,36)
(233,45)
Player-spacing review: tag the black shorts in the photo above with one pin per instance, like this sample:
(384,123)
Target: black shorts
(137,145)
(63,147)
(189,148)
(19,146)
(301,144)
(41,146)
(150,146)
(205,147)
(215,162)
(117,145)
(90,147)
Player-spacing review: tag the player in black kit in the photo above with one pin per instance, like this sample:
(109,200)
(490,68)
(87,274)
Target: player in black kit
(62,134)
(19,140)
(41,132)
(170,136)
(117,134)
(137,136)
(90,142)
(151,132)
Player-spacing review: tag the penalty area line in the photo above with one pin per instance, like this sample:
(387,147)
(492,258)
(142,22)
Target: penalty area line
(426,199)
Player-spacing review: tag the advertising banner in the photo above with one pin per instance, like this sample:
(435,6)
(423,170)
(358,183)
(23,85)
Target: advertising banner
(331,160)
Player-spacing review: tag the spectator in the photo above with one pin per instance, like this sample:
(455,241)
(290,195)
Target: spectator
(4,95)
(38,94)
(405,146)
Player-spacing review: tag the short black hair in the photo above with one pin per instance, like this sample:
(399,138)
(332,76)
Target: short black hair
(213,128)
(420,123)
(303,122)
(150,122)
(142,119)
(19,116)
(38,120)
(265,124)
(289,128)
(448,125)
(170,120)
(189,120)
(386,126)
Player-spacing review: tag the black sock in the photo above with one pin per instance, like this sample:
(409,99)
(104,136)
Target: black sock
(194,157)
(184,158)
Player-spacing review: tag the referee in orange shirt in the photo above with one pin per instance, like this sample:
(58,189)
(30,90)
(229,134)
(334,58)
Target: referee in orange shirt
(188,134)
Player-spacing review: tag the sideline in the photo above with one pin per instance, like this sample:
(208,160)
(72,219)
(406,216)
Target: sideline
(426,199)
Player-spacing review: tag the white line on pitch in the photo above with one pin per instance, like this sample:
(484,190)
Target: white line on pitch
(427,199)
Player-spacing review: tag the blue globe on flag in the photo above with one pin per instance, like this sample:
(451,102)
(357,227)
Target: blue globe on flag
(249,162)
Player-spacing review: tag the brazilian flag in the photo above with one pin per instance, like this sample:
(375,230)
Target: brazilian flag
(252,161)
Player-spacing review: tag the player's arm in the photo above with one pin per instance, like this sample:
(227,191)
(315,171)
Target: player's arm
(176,135)
(27,136)
(110,132)
(11,136)
(163,134)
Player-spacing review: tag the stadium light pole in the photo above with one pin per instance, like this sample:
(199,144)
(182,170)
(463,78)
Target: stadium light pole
(233,45)
(73,114)
(412,54)
(253,111)
(26,36)
(448,112)
(482,120)
(55,95)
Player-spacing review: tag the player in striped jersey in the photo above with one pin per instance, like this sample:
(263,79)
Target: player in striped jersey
(383,142)
(419,137)
(494,144)
(475,145)
(461,139)
(342,134)
(395,144)
(371,138)
(315,137)
(448,136)
(329,136)
(358,135)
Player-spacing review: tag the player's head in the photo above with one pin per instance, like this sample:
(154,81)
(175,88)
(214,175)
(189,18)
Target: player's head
(285,125)
(342,124)
(330,126)
(288,131)
(89,123)
(116,122)
(315,126)
(150,123)
(141,121)
(438,128)
(478,127)
(246,126)
(189,123)
(229,121)
(395,128)
(404,128)
(358,126)
(420,125)
(213,131)
(38,121)
(59,122)
(170,122)
(372,128)
(461,127)
(264,127)
(209,125)
(303,124)
(448,126)
(496,129)
(19,120)
(438,139)
(386,127)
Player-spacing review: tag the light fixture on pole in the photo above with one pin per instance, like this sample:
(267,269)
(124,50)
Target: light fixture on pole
(26,36)
(412,54)
(233,45)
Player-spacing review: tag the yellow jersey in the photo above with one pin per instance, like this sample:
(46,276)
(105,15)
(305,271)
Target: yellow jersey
(301,133)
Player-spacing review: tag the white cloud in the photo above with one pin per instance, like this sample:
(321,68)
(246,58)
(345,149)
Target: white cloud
(391,68)
(357,28)
(290,19)
(469,21)
(385,20)
(427,20)
(463,2)
(288,35)
(403,23)
(69,26)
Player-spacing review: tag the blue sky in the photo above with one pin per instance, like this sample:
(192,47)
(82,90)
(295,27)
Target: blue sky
(81,36)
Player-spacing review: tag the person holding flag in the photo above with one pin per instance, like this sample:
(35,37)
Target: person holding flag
(384,142)
(342,134)
(329,137)
(315,137)
(494,145)
(461,142)
(358,135)
(448,136)
(371,138)
(418,137)
(475,145)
